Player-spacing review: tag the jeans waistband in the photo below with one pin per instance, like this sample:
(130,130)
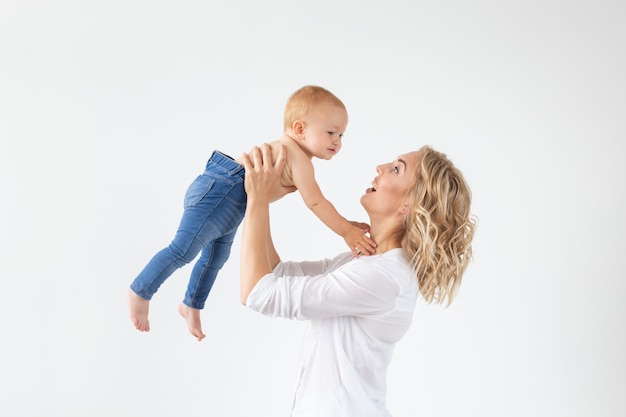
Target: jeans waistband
(221,159)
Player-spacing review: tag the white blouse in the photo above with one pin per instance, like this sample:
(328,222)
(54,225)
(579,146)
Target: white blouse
(357,308)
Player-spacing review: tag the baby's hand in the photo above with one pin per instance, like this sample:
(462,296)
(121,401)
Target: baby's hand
(363,226)
(358,242)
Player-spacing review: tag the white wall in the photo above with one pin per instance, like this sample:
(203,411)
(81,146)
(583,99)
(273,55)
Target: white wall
(109,109)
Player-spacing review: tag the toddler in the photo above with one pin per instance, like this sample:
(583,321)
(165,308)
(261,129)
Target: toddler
(215,202)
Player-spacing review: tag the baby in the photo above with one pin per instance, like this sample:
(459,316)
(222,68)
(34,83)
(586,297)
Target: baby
(314,123)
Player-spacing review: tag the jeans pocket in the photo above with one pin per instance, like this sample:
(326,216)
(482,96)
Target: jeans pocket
(198,189)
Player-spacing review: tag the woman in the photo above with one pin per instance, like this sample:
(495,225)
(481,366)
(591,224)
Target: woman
(358,308)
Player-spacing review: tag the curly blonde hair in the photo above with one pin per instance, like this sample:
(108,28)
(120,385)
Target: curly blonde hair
(439,228)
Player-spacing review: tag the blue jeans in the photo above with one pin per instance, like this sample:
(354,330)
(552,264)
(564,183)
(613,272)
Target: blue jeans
(215,204)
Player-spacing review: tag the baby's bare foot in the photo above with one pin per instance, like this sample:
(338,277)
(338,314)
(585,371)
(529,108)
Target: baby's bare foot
(192,317)
(138,308)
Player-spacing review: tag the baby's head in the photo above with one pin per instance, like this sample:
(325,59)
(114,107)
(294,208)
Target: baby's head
(316,119)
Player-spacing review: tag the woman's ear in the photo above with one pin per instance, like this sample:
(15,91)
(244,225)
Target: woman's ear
(403,208)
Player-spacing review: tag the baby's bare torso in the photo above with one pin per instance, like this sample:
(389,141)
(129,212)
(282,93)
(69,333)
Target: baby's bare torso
(286,179)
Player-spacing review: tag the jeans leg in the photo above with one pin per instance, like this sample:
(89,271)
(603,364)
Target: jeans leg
(183,249)
(211,261)
(190,238)
(214,207)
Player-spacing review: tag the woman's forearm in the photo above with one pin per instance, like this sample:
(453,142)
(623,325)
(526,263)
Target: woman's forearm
(255,259)
(258,256)
(272,254)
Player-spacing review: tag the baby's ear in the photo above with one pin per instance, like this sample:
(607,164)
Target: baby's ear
(298,128)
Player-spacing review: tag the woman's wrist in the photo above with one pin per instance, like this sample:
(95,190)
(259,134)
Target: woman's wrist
(258,200)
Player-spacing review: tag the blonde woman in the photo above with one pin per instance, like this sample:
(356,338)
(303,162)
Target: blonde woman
(359,307)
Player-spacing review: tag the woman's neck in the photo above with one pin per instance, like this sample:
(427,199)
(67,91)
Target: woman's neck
(386,241)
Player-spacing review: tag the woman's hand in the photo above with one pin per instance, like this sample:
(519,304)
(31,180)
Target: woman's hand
(263,176)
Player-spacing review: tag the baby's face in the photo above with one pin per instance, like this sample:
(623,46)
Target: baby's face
(323,132)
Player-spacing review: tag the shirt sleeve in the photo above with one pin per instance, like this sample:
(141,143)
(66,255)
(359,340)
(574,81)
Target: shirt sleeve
(337,287)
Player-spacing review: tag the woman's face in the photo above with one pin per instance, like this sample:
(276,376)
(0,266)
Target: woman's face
(389,189)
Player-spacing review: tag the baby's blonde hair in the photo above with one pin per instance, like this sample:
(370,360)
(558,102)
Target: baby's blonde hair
(438,228)
(304,100)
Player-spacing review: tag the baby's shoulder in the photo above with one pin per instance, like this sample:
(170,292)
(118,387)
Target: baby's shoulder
(287,141)
(295,154)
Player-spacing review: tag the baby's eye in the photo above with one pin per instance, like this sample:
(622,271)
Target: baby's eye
(330,133)
(341,136)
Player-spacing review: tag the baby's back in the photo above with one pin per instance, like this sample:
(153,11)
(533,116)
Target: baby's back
(286,179)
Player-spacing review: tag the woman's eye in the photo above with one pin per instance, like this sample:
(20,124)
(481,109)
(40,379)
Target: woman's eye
(395,169)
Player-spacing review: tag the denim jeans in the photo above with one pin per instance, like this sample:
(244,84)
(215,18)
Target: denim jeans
(214,207)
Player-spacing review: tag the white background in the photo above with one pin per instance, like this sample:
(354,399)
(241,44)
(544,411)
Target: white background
(108,110)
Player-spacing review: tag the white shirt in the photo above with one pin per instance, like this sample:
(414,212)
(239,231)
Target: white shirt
(357,308)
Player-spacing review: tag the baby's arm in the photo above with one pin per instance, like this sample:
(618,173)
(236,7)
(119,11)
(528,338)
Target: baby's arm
(353,233)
